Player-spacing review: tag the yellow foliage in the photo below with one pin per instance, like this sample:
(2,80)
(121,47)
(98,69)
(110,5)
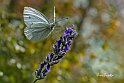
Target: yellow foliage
(114,26)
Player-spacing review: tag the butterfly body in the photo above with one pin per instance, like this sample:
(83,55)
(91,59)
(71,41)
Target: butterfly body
(38,25)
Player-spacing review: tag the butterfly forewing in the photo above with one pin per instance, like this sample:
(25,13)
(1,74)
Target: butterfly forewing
(32,16)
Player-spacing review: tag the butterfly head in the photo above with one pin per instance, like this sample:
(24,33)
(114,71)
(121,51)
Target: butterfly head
(52,26)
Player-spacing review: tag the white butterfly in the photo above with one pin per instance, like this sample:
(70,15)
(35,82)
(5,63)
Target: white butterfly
(38,25)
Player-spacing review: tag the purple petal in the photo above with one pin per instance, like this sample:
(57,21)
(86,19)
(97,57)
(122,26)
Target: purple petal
(58,43)
(42,76)
(69,43)
(71,38)
(62,52)
(55,62)
(50,56)
(47,69)
(43,64)
(59,57)
(41,67)
(72,26)
(75,32)
(56,49)
(66,48)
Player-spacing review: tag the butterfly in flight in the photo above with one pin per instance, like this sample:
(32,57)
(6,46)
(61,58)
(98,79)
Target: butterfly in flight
(38,25)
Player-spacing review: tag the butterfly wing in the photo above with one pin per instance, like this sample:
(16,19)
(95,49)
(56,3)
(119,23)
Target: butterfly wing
(32,16)
(38,25)
(37,31)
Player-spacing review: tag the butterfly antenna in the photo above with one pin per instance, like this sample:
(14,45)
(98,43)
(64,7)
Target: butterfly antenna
(54,14)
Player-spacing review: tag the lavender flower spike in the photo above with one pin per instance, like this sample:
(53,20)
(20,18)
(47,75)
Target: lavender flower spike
(60,49)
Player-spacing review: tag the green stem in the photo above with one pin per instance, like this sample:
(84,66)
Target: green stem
(36,80)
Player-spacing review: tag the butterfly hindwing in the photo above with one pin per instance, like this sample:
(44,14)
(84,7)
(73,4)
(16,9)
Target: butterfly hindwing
(37,31)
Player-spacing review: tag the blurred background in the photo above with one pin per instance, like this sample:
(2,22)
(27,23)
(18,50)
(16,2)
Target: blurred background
(96,55)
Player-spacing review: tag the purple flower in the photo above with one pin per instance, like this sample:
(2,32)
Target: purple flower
(60,48)
(50,57)
(41,73)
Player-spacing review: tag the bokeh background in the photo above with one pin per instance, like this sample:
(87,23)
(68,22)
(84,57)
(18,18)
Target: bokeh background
(97,50)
